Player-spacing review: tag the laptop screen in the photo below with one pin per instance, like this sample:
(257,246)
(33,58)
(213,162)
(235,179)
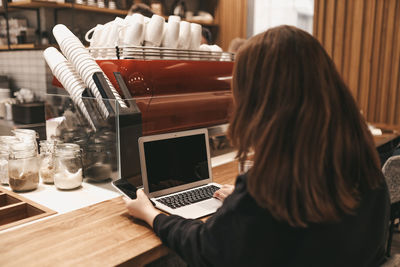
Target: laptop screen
(176,161)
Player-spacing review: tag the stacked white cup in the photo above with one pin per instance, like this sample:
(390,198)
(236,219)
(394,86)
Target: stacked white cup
(174,18)
(195,39)
(84,63)
(95,40)
(206,49)
(171,38)
(154,31)
(132,33)
(69,78)
(184,38)
(154,35)
(216,51)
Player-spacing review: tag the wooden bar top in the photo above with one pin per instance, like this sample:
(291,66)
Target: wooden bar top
(102,234)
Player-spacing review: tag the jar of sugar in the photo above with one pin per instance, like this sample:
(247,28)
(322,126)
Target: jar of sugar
(67,166)
(23,167)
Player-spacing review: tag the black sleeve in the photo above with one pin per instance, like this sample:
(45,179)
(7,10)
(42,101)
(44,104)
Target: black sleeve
(202,244)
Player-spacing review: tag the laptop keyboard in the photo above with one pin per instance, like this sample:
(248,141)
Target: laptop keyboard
(189,197)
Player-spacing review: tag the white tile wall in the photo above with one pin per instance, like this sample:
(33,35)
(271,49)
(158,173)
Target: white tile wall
(26,69)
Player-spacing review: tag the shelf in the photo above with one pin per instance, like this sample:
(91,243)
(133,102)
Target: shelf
(56,5)
(204,23)
(37,4)
(3,11)
(17,46)
(26,47)
(100,10)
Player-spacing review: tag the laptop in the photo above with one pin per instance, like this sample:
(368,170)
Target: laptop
(176,173)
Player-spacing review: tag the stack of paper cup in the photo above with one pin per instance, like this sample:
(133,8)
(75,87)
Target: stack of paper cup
(68,77)
(84,63)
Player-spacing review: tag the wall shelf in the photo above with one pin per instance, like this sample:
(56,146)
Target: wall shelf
(17,46)
(47,4)
(100,10)
(37,4)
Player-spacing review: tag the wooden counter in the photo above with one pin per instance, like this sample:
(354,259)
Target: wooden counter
(102,234)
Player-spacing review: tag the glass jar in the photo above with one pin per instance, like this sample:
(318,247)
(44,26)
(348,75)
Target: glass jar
(23,167)
(97,162)
(25,132)
(110,142)
(8,139)
(4,156)
(67,166)
(27,136)
(46,170)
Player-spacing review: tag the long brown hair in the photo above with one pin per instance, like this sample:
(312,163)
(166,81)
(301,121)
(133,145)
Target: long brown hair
(313,152)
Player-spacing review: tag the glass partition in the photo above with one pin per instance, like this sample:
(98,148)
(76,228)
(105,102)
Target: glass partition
(108,134)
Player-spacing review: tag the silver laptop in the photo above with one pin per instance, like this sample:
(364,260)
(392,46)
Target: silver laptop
(176,173)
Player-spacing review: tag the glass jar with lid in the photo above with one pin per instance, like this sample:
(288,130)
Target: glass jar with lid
(23,167)
(27,136)
(98,165)
(8,140)
(4,156)
(46,169)
(5,143)
(68,166)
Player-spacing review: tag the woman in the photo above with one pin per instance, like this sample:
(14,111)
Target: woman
(315,195)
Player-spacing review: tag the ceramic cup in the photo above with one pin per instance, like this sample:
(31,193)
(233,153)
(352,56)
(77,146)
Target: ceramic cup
(96,33)
(110,34)
(174,18)
(206,51)
(184,35)
(134,18)
(132,34)
(154,31)
(216,51)
(171,36)
(195,36)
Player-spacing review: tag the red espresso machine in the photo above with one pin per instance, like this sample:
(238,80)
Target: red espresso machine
(173,89)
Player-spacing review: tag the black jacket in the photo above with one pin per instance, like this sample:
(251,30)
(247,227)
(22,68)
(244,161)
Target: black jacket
(241,233)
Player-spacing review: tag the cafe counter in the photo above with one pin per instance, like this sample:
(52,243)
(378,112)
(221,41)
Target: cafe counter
(102,234)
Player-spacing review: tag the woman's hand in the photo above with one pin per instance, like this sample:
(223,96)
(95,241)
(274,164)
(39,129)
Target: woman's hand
(141,207)
(224,191)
